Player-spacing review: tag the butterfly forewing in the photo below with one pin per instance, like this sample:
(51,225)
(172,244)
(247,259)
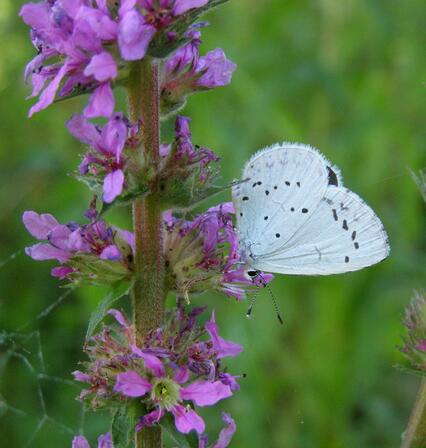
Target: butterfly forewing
(281,186)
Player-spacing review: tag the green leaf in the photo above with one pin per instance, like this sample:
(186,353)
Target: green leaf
(181,440)
(104,305)
(124,424)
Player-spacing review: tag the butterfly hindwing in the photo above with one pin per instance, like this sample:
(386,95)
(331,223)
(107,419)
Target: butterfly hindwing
(343,234)
(281,187)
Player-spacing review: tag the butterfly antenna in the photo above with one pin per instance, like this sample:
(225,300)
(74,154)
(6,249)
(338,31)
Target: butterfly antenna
(252,302)
(274,301)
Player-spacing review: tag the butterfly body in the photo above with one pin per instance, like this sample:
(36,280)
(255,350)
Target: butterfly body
(294,216)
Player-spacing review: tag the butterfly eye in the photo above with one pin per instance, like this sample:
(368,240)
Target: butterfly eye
(252,274)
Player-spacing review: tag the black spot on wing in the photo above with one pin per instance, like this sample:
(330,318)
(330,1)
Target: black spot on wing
(332,177)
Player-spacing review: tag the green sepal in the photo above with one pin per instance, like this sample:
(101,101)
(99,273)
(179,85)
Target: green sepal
(124,423)
(181,440)
(92,270)
(184,196)
(117,292)
(161,46)
(125,199)
(410,370)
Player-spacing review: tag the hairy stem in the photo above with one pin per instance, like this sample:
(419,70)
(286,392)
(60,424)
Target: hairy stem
(148,291)
(415,435)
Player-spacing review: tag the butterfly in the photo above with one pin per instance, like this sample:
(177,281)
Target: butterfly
(294,216)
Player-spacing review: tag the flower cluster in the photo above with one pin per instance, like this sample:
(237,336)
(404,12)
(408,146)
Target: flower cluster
(415,339)
(91,47)
(172,370)
(186,72)
(87,46)
(104,163)
(186,171)
(203,254)
(93,252)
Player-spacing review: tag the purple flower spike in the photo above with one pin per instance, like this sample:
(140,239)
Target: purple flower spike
(205,393)
(132,384)
(172,370)
(223,347)
(187,420)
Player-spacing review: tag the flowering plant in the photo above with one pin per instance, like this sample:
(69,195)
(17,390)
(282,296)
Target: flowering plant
(158,366)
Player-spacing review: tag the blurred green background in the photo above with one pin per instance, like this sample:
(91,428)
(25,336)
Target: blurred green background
(346,76)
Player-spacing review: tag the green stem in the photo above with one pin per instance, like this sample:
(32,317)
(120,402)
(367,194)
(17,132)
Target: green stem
(415,435)
(148,291)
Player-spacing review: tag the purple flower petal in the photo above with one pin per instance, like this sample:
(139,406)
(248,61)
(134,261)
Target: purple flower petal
(114,136)
(218,69)
(42,252)
(48,95)
(59,237)
(39,226)
(223,347)
(186,420)
(61,272)
(83,130)
(119,317)
(134,36)
(77,243)
(101,102)
(80,442)
(102,67)
(83,377)
(181,6)
(150,419)
(37,16)
(105,441)
(127,236)
(71,7)
(227,433)
(111,253)
(151,361)
(132,384)
(113,186)
(205,393)
(181,375)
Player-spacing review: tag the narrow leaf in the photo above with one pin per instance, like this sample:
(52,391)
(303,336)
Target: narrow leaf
(123,426)
(181,440)
(104,305)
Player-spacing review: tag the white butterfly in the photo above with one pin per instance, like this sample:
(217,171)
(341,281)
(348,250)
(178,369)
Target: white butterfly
(295,217)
